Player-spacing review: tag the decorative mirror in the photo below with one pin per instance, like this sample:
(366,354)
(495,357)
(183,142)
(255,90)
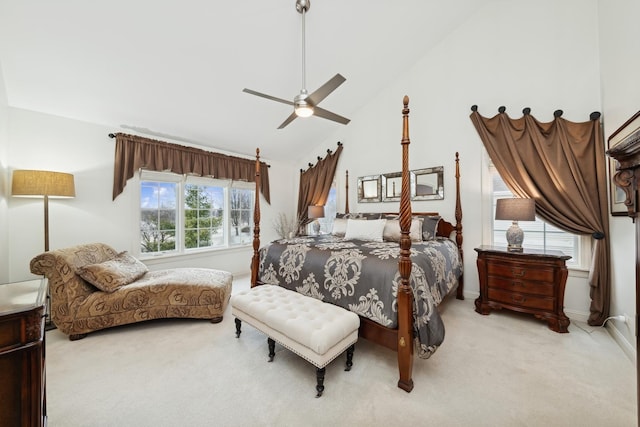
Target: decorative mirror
(391,186)
(427,184)
(369,189)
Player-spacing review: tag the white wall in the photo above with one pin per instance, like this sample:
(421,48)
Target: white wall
(4,179)
(40,141)
(619,63)
(542,55)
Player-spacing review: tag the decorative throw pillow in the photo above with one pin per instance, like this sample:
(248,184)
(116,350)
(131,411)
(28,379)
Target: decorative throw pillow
(392,230)
(365,230)
(430,226)
(339,227)
(108,276)
(370,216)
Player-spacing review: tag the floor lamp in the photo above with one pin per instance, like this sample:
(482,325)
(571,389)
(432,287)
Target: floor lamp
(36,183)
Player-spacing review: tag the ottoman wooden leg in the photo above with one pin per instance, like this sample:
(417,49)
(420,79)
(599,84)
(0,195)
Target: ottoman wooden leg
(238,325)
(272,349)
(350,357)
(320,377)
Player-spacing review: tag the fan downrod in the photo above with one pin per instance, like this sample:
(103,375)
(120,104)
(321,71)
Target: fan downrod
(303,5)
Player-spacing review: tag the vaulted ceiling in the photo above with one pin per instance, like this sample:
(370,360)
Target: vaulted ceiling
(176,69)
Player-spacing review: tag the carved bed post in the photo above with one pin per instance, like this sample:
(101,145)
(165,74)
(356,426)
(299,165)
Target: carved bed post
(346,187)
(460,290)
(255,261)
(405,294)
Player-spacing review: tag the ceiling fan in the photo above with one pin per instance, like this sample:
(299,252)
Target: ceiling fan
(304,104)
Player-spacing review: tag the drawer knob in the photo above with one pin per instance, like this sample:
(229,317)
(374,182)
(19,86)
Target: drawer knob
(517,272)
(518,298)
(518,283)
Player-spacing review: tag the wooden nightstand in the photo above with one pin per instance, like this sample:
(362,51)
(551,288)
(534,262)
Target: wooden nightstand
(22,353)
(529,282)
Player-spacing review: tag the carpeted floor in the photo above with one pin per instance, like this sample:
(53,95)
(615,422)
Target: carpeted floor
(499,370)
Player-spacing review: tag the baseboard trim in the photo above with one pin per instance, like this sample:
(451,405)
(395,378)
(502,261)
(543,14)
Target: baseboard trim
(620,339)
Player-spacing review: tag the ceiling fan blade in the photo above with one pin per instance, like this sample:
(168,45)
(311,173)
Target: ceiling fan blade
(321,112)
(323,91)
(289,120)
(273,98)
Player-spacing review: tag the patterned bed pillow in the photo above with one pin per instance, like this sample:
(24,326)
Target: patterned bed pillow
(109,276)
(430,226)
(370,215)
(365,230)
(392,230)
(360,215)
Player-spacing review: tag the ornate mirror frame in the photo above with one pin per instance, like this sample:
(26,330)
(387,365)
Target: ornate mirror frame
(369,189)
(391,186)
(427,184)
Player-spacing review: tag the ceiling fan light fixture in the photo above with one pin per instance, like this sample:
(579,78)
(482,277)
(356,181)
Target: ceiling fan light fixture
(303,110)
(301,107)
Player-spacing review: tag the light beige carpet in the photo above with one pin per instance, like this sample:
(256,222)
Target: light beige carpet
(499,370)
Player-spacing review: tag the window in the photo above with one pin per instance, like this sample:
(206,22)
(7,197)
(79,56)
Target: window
(330,209)
(179,215)
(538,234)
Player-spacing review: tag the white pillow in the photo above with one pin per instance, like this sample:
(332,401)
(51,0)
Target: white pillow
(339,227)
(392,230)
(365,230)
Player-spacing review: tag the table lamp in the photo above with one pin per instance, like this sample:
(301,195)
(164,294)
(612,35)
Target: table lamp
(314,213)
(515,210)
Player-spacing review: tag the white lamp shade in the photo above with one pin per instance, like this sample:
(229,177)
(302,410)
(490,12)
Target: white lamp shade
(315,212)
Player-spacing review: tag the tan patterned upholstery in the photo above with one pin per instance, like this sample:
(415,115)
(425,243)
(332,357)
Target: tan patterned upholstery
(78,307)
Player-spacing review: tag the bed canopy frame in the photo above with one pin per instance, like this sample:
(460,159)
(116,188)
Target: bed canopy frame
(401,338)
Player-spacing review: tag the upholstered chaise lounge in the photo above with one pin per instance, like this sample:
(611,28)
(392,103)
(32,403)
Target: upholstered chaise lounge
(94,287)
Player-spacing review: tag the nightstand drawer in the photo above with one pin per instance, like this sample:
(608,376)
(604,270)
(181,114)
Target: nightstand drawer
(521,300)
(520,271)
(523,286)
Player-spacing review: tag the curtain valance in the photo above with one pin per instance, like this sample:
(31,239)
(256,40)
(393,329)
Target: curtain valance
(135,152)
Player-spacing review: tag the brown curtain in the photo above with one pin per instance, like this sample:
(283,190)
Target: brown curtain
(135,152)
(562,165)
(315,184)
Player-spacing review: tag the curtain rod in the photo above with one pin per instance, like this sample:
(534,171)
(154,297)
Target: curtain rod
(113,135)
(526,111)
(329,151)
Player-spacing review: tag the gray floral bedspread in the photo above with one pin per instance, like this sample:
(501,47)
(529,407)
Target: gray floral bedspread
(363,277)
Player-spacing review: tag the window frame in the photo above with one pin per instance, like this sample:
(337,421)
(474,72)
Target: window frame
(582,262)
(182,181)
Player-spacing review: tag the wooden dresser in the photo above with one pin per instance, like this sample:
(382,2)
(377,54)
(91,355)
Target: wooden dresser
(530,282)
(22,351)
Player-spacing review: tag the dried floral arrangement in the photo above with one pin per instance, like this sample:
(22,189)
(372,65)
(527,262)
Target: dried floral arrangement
(285,226)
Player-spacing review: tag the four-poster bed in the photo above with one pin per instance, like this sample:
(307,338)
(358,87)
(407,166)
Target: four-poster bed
(375,278)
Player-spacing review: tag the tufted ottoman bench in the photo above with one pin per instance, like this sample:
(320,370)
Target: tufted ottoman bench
(316,331)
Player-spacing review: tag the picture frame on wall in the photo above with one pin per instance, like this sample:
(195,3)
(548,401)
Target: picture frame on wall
(628,133)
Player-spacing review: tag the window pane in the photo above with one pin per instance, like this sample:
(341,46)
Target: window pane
(330,209)
(240,215)
(203,216)
(157,216)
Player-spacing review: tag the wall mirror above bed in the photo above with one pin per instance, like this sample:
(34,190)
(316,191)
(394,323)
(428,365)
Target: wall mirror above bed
(391,186)
(427,184)
(369,189)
